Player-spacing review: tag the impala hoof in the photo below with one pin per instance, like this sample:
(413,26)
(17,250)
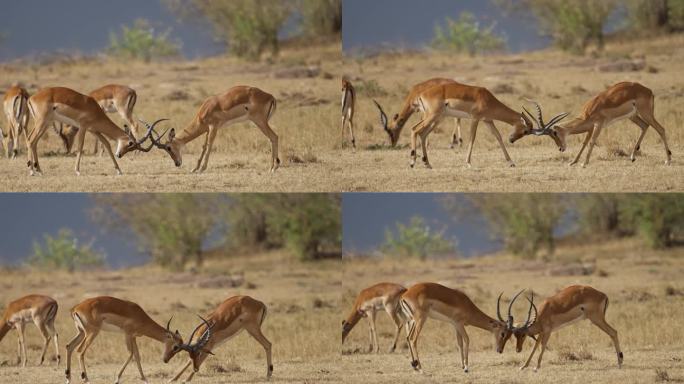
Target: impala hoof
(465,369)
(511,164)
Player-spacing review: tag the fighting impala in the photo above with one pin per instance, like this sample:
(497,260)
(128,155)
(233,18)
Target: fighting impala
(112,98)
(573,303)
(348,107)
(16,111)
(231,317)
(67,106)
(382,296)
(626,100)
(425,300)
(239,103)
(106,313)
(38,309)
(410,106)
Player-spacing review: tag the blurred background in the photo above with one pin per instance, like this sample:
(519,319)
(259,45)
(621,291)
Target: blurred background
(503,25)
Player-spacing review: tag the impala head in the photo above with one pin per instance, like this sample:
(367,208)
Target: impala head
(392,129)
(200,346)
(544,128)
(521,331)
(172,146)
(503,329)
(345,83)
(351,321)
(173,342)
(129,143)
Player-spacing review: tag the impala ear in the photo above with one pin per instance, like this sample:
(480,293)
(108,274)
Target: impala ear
(172,134)
(127,129)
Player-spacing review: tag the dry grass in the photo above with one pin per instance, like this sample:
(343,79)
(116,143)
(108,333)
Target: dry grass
(646,317)
(304,349)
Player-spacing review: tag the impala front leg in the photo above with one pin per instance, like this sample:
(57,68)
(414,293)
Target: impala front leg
(594,137)
(204,150)
(584,144)
(497,136)
(473,133)
(81,140)
(108,148)
(211,137)
(534,349)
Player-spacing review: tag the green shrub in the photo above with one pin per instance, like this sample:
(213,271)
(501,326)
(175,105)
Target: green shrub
(416,240)
(321,17)
(465,35)
(64,252)
(659,218)
(141,42)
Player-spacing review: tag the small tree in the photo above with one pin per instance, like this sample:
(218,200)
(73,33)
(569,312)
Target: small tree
(525,222)
(64,252)
(141,42)
(321,17)
(248,27)
(599,214)
(573,25)
(659,218)
(172,228)
(465,35)
(416,240)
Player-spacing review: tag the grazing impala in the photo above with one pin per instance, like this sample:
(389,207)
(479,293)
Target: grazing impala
(573,303)
(70,107)
(106,313)
(113,98)
(237,104)
(382,296)
(16,111)
(231,317)
(425,300)
(348,107)
(626,100)
(410,106)
(39,309)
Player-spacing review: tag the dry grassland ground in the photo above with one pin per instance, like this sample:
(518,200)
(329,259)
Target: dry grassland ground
(303,303)
(646,307)
(308,123)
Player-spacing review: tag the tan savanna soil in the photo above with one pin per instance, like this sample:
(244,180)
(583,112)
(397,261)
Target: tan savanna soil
(303,303)
(308,123)
(646,307)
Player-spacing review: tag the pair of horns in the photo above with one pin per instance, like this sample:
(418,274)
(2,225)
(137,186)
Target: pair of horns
(509,320)
(542,127)
(201,341)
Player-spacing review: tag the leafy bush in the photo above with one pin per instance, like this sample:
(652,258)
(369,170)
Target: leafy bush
(659,218)
(248,27)
(465,35)
(599,214)
(141,42)
(525,222)
(64,252)
(416,240)
(321,17)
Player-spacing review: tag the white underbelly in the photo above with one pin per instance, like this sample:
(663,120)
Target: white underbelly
(66,120)
(110,328)
(24,316)
(580,318)
(376,304)
(456,113)
(439,316)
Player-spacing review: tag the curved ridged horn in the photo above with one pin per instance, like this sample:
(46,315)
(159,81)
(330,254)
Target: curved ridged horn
(498,308)
(510,306)
(383,116)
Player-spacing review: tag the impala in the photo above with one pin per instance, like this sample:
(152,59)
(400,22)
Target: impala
(113,98)
(38,309)
(105,313)
(348,107)
(237,104)
(410,106)
(573,303)
(231,317)
(16,111)
(626,100)
(425,300)
(382,296)
(70,107)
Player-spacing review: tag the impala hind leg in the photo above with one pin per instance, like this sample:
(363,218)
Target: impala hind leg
(273,137)
(373,338)
(55,338)
(418,130)
(600,322)
(32,147)
(47,336)
(255,332)
(661,131)
(393,313)
(75,342)
(644,127)
(81,350)
(456,135)
(417,326)
(351,132)
(473,133)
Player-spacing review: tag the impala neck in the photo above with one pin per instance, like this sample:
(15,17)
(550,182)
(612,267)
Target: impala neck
(4,328)
(574,126)
(480,319)
(111,130)
(190,133)
(534,329)
(404,115)
(502,112)
(151,329)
